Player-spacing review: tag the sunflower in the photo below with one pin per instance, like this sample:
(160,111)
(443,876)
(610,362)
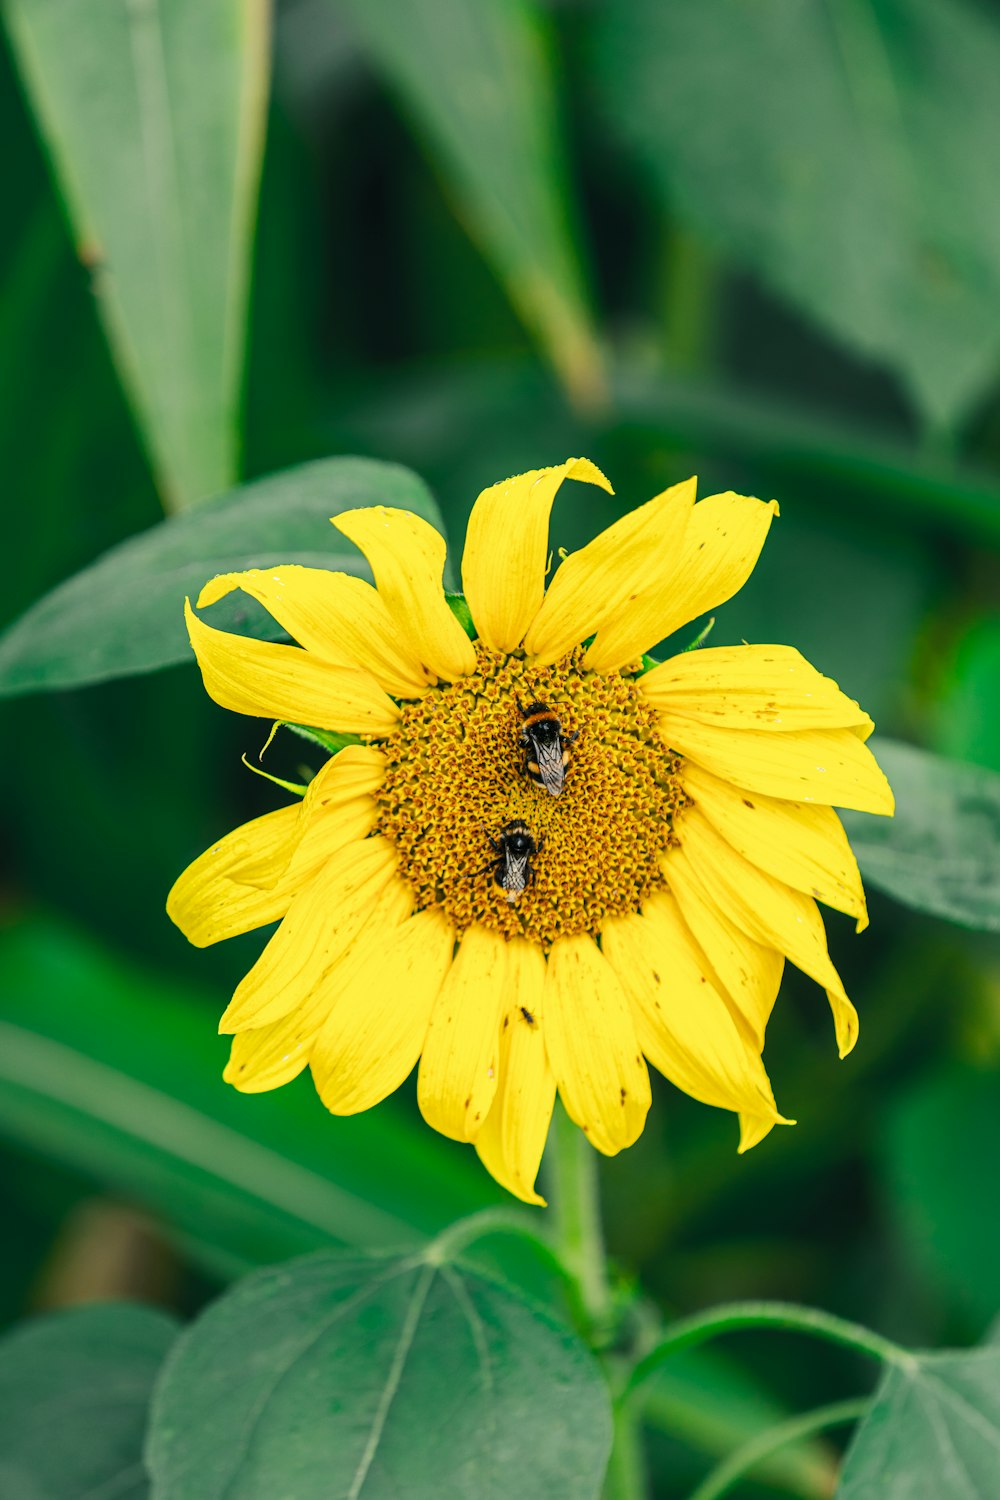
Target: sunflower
(441,902)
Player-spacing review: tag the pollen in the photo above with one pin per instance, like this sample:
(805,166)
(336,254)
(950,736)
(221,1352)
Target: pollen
(455,777)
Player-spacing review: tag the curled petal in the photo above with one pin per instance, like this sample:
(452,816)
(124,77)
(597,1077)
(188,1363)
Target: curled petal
(407,557)
(803,845)
(234,886)
(322,921)
(770,912)
(607,578)
(339,618)
(283,682)
(719,551)
(507,548)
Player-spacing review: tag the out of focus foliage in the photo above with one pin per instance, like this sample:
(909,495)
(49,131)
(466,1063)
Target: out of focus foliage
(756,241)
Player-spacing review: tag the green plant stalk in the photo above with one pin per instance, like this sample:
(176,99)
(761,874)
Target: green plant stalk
(732,1469)
(578,1235)
(734,1316)
(579,1243)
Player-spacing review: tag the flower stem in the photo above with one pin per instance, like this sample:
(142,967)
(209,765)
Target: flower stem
(579,1243)
(737,1315)
(579,1238)
(738,1464)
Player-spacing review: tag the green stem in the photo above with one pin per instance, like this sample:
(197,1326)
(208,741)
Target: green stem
(732,1469)
(579,1237)
(737,1315)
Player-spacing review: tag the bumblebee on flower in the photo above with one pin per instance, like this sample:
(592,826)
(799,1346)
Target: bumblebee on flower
(682,853)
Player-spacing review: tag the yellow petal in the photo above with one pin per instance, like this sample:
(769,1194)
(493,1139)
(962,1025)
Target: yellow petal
(719,551)
(769,912)
(353,771)
(604,579)
(803,845)
(377,1025)
(751,687)
(748,972)
(337,810)
(214,899)
(592,1046)
(458,1069)
(683,1023)
(269,1056)
(828,766)
(283,682)
(339,618)
(322,920)
(507,549)
(511,1142)
(407,558)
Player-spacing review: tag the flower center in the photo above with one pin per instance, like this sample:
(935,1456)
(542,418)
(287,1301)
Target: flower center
(456,779)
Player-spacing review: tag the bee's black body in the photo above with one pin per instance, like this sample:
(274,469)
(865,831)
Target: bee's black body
(515,849)
(546,749)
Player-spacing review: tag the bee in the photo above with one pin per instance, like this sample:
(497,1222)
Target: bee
(546,752)
(515,849)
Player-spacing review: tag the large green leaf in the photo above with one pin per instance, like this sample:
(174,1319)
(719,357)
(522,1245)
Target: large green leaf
(478,82)
(353,1376)
(74,1393)
(124,614)
(941,851)
(844,151)
(933,1432)
(154,116)
(115,1072)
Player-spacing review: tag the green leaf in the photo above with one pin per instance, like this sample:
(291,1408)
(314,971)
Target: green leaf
(347,1375)
(116,1073)
(74,1393)
(154,117)
(124,614)
(478,82)
(941,851)
(933,1431)
(841,152)
(937,1135)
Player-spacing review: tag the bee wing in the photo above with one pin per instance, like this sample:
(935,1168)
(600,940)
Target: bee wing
(515,875)
(549,755)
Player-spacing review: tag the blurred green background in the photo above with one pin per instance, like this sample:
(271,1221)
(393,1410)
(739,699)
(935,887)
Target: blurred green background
(760,242)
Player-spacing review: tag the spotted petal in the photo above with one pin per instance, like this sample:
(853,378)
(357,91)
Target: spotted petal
(803,845)
(828,766)
(684,1025)
(511,1142)
(458,1069)
(751,687)
(592,1045)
